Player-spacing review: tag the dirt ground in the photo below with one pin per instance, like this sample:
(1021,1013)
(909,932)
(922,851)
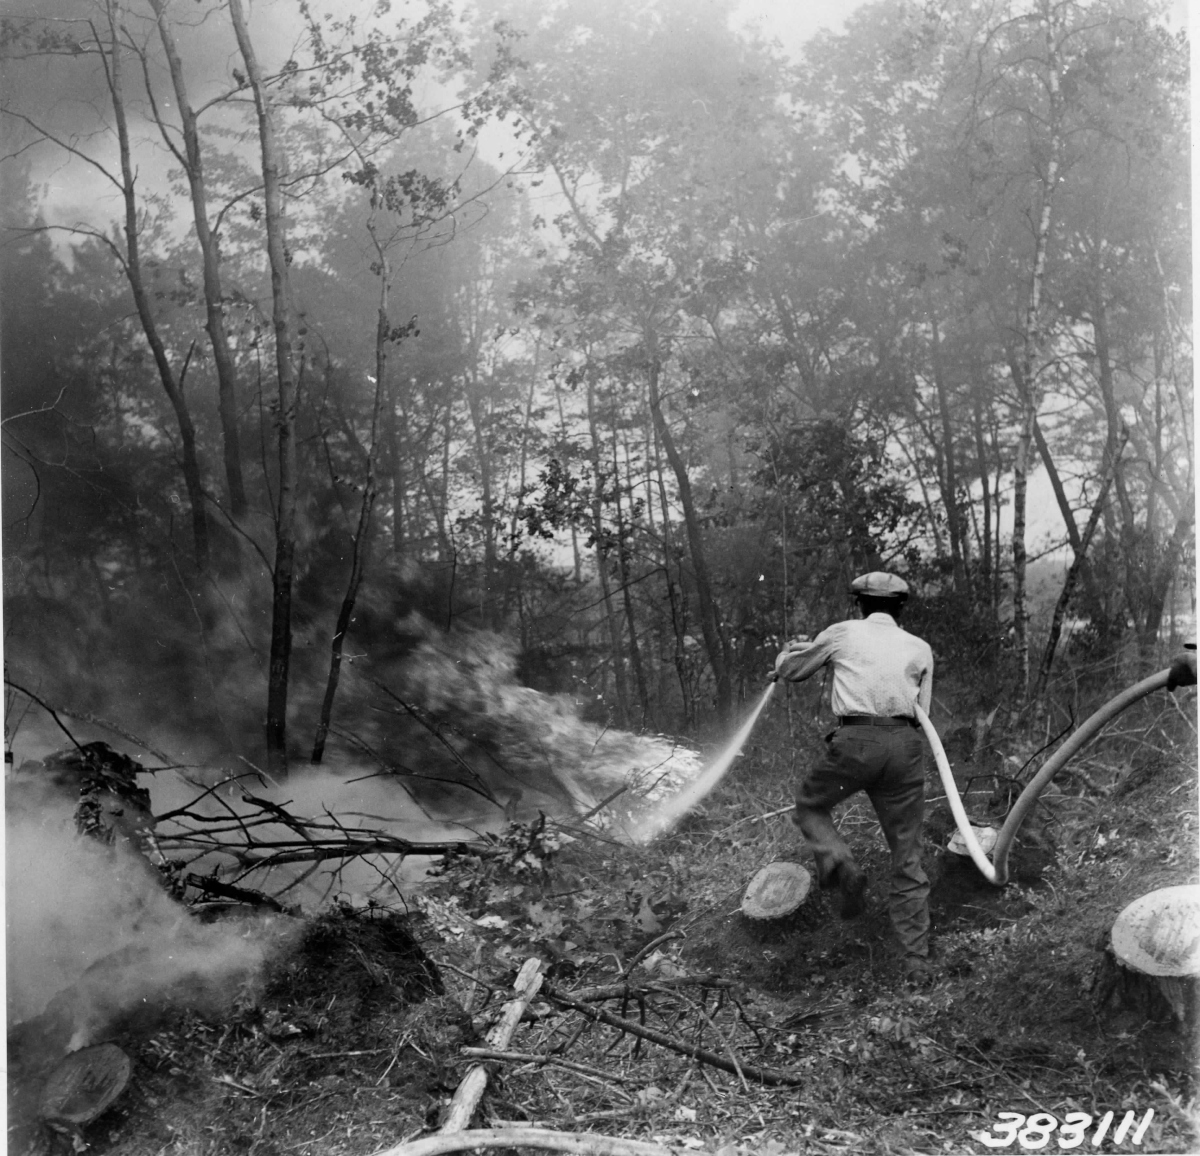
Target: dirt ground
(349,1041)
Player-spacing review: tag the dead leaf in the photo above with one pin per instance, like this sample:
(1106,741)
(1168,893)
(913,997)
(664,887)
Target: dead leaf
(646,920)
(548,922)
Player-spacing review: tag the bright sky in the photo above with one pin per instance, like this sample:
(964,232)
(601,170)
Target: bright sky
(794,21)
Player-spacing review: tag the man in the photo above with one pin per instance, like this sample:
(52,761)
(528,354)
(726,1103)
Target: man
(880,673)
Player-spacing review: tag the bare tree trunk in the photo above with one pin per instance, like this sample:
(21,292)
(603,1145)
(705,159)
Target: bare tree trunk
(1161,582)
(1078,565)
(930,514)
(285,513)
(510,571)
(1027,388)
(437,490)
(635,654)
(985,572)
(1133,543)
(484,455)
(997,509)
(358,554)
(950,477)
(577,561)
(610,617)
(1079,545)
(193,166)
(358,557)
(133,272)
(678,605)
(710,624)
(393,467)
(1020,557)
(1171,326)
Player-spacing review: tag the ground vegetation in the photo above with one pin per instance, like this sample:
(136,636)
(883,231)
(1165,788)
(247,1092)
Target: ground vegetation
(422,427)
(798,1036)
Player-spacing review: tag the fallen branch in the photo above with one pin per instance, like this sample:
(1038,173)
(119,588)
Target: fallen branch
(539,1058)
(666,937)
(470,1091)
(757,818)
(604,803)
(573,1142)
(602,992)
(350,849)
(236,833)
(762,1075)
(47,708)
(480,984)
(227,891)
(733,1057)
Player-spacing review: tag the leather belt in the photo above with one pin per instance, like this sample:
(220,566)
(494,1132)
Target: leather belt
(875,720)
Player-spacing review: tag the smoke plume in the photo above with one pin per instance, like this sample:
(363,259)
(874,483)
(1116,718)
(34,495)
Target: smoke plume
(92,934)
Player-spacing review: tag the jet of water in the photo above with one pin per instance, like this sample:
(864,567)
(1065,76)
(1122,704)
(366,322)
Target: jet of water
(663,816)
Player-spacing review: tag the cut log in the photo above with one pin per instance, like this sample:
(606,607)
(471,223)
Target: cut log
(84,1085)
(579,1144)
(777,891)
(1158,936)
(470,1091)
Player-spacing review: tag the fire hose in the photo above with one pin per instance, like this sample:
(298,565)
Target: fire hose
(996,870)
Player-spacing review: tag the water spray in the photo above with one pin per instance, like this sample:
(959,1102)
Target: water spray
(663,816)
(659,819)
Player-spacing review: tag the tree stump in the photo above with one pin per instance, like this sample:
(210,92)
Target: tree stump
(1151,964)
(84,1085)
(775,896)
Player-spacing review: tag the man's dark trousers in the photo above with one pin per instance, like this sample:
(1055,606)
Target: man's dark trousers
(886,762)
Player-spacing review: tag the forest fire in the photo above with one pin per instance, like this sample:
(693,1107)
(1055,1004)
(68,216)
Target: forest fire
(94,933)
(100,945)
(423,426)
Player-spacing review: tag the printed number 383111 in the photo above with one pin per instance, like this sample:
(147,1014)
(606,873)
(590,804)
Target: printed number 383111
(1034,1131)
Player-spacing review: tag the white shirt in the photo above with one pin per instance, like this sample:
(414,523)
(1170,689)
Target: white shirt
(878,668)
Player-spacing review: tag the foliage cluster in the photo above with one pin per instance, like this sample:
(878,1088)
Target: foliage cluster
(610,327)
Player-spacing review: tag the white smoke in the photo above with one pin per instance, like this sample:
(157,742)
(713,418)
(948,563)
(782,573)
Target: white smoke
(470,676)
(95,921)
(73,904)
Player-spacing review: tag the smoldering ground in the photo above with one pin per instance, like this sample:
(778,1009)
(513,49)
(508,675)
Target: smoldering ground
(74,904)
(457,747)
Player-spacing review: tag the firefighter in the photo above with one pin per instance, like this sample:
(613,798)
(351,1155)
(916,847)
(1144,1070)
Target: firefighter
(880,672)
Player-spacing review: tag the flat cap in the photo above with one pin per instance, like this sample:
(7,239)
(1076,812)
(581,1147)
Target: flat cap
(880,584)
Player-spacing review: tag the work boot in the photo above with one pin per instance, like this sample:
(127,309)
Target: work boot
(852,884)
